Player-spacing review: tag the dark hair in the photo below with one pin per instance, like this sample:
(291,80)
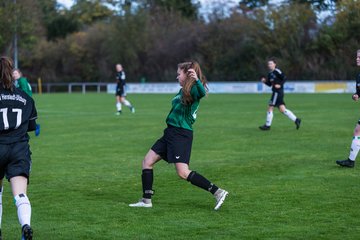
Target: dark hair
(272,59)
(6,69)
(189,82)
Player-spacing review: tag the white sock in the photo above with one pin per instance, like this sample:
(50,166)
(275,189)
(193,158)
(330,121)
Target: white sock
(290,114)
(127,103)
(269,118)
(23,208)
(355,147)
(118,106)
(1,192)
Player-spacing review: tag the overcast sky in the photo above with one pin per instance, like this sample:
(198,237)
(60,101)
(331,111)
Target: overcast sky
(68,3)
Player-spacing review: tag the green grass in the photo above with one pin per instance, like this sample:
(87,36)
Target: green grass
(283,184)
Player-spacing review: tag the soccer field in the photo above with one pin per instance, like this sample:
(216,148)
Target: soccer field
(283,183)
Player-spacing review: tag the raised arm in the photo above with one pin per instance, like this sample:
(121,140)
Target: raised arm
(198,90)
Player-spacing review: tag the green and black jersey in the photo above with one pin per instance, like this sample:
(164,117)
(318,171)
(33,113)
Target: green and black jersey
(181,115)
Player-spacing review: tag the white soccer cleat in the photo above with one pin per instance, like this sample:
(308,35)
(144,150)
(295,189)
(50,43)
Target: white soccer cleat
(132,110)
(141,203)
(220,198)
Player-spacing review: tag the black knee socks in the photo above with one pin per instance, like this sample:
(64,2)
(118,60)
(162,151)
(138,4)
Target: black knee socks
(147,179)
(196,179)
(201,182)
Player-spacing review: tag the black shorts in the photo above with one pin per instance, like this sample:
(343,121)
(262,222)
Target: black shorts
(175,145)
(15,160)
(120,92)
(277,99)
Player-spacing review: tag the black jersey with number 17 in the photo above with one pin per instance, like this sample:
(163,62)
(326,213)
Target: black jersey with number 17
(17,116)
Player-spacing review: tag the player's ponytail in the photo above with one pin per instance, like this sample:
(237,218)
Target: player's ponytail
(186,89)
(6,68)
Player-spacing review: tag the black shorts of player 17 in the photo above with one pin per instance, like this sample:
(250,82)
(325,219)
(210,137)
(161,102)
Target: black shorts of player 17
(120,92)
(277,99)
(175,145)
(15,160)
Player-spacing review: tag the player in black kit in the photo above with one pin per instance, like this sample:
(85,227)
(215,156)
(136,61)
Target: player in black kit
(276,79)
(355,144)
(120,90)
(17,117)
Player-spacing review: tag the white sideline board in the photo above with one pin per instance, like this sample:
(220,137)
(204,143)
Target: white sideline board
(244,87)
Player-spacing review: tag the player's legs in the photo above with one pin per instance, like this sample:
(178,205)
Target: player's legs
(287,112)
(195,178)
(150,159)
(124,101)
(355,145)
(354,150)
(269,118)
(19,188)
(200,181)
(147,179)
(118,104)
(290,115)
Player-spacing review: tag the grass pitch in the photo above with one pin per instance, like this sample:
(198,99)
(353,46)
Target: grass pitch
(283,184)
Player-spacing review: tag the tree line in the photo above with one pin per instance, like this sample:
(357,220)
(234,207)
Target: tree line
(311,39)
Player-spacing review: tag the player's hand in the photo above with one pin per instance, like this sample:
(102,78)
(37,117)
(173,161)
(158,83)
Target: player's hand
(263,79)
(192,74)
(355,97)
(277,86)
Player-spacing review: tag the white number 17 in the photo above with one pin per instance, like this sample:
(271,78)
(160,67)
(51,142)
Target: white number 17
(4,112)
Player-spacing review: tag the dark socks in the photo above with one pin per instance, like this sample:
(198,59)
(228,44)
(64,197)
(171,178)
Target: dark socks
(147,179)
(201,182)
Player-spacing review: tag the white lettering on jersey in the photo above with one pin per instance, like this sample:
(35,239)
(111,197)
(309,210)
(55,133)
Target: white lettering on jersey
(4,112)
(13,97)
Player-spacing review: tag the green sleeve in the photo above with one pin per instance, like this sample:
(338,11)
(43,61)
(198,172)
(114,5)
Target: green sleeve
(24,85)
(198,91)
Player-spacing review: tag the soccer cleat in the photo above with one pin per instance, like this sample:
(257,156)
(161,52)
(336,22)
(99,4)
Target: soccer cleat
(27,232)
(297,123)
(264,127)
(118,113)
(132,109)
(141,203)
(346,163)
(220,198)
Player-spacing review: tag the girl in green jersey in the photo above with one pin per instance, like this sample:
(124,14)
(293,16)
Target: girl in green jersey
(175,145)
